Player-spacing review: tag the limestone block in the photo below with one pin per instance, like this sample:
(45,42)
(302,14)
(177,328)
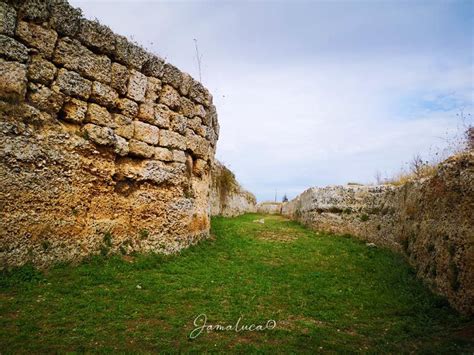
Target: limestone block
(45,99)
(137,86)
(154,67)
(7,19)
(100,135)
(170,97)
(145,132)
(129,54)
(199,111)
(186,82)
(196,126)
(162,116)
(172,76)
(127,107)
(12,50)
(103,94)
(172,139)
(163,154)
(119,80)
(96,36)
(179,156)
(199,146)
(199,93)
(35,10)
(41,71)
(72,84)
(74,111)
(178,123)
(99,115)
(153,90)
(209,117)
(210,135)
(125,128)
(12,81)
(200,167)
(121,146)
(187,107)
(38,37)
(65,19)
(140,149)
(74,56)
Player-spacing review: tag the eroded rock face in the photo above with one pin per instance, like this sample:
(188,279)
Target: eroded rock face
(96,155)
(228,198)
(431,222)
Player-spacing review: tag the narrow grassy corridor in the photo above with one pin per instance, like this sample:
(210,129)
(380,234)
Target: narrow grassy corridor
(325,293)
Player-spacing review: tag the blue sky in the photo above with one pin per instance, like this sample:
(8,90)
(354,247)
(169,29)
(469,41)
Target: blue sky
(314,93)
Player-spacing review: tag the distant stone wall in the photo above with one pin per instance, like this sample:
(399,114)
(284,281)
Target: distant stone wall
(430,221)
(104,147)
(269,207)
(228,198)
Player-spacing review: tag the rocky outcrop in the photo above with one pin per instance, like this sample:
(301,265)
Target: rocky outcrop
(104,147)
(430,221)
(228,198)
(269,207)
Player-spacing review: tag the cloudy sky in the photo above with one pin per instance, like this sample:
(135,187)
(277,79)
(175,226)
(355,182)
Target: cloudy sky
(315,93)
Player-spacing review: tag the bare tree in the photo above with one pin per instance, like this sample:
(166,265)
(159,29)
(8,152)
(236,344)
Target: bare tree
(198,59)
(417,165)
(378,177)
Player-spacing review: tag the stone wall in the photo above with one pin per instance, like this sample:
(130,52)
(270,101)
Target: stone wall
(104,147)
(430,221)
(269,207)
(228,198)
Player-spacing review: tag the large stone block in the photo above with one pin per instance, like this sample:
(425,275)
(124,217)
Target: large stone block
(196,126)
(172,139)
(163,154)
(146,133)
(186,82)
(127,107)
(7,19)
(154,67)
(34,10)
(179,156)
(153,90)
(119,79)
(178,123)
(12,50)
(65,19)
(41,70)
(74,111)
(72,84)
(45,99)
(137,86)
(97,36)
(187,107)
(100,116)
(140,149)
(172,76)
(103,94)
(130,54)
(100,135)
(199,146)
(12,81)
(199,94)
(124,125)
(38,37)
(74,56)
(170,97)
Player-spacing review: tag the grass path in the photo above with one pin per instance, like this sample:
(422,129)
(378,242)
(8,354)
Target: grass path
(326,293)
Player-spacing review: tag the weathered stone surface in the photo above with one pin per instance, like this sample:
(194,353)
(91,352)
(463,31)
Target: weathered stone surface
(124,125)
(74,111)
(172,76)
(13,81)
(34,10)
(41,70)
(99,115)
(121,146)
(38,37)
(96,36)
(74,56)
(72,84)
(178,123)
(153,90)
(186,82)
(187,107)
(140,149)
(7,19)
(127,107)
(155,172)
(170,97)
(119,79)
(137,86)
(179,156)
(199,146)
(200,168)
(163,154)
(64,18)
(154,67)
(196,126)
(129,54)
(12,50)
(200,111)
(162,116)
(145,132)
(100,135)
(199,93)
(45,99)
(172,139)
(103,94)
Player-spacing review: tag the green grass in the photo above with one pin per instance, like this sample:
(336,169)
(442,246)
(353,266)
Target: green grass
(326,293)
